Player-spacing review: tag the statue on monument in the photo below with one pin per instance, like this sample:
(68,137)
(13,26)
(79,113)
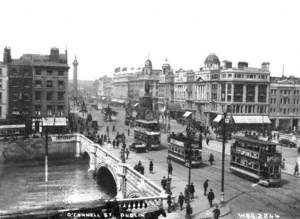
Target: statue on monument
(147,88)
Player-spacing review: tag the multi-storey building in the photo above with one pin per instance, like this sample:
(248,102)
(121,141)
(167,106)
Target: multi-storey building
(103,87)
(245,89)
(130,84)
(166,87)
(285,103)
(38,86)
(3,91)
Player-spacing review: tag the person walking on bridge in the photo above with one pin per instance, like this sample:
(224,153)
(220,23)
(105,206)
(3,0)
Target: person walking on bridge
(205,186)
(151,167)
(180,200)
(211,197)
(127,153)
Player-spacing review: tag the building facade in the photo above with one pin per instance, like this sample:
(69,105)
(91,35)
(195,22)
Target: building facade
(103,87)
(166,87)
(130,84)
(285,103)
(3,91)
(38,87)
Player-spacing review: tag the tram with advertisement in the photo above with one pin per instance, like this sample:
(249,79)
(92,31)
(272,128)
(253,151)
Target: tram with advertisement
(178,150)
(12,130)
(147,132)
(257,160)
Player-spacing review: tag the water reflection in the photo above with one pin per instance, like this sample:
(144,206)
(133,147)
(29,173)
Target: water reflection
(23,186)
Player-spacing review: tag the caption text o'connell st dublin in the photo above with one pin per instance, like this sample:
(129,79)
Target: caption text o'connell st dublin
(148,110)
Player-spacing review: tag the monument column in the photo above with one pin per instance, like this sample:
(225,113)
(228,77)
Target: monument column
(75,81)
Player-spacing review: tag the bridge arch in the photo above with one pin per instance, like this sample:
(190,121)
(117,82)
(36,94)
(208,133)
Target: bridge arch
(106,178)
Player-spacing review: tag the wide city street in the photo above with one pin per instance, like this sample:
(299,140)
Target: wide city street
(242,195)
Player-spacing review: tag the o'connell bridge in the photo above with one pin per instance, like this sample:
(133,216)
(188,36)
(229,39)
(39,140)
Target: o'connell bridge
(129,188)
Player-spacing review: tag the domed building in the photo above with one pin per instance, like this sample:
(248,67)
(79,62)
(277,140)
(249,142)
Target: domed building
(212,61)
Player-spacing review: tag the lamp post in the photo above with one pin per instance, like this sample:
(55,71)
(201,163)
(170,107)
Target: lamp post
(188,206)
(225,120)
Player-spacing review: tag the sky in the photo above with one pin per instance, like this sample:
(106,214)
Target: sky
(105,34)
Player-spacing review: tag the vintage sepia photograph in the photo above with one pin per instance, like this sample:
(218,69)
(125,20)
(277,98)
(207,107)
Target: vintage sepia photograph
(149,109)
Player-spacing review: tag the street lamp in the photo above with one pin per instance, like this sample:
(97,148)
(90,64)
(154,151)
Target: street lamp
(188,206)
(226,120)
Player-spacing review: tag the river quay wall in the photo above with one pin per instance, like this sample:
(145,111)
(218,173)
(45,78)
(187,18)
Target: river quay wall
(33,149)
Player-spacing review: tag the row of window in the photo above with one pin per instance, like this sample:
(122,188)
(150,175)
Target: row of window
(284,110)
(49,84)
(286,92)
(50,95)
(51,110)
(49,72)
(251,76)
(249,109)
(284,100)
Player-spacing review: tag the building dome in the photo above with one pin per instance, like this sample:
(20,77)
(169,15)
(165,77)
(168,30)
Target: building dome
(148,63)
(212,59)
(166,64)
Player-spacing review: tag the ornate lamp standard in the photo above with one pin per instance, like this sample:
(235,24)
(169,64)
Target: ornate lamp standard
(226,120)
(188,206)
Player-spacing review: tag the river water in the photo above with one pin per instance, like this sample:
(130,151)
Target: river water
(23,187)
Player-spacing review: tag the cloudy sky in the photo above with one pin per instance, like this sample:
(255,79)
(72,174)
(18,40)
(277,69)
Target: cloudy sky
(110,33)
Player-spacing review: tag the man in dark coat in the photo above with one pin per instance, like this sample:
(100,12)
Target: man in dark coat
(164,182)
(180,200)
(211,197)
(211,159)
(216,212)
(169,201)
(205,185)
(151,166)
(192,190)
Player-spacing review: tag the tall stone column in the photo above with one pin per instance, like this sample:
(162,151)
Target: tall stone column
(75,79)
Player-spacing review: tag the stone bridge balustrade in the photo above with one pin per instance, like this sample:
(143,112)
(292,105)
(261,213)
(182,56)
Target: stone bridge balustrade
(130,183)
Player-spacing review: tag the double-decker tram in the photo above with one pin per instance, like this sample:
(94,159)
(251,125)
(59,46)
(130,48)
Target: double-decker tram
(147,132)
(12,130)
(256,159)
(178,150)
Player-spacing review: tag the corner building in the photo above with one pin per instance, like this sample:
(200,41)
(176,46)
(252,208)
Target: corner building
(38,86)
(245,89)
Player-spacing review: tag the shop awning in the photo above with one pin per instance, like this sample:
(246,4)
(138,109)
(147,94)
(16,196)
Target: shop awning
(251,120)
(12,126)
(117,100)
(57,121)
(187,114)
(218,118)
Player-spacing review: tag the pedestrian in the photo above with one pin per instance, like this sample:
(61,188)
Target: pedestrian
(114,143)
(118,143)
(128,132)
(205,185)
(142,169)
(283,164)
(207,140)
(211,159)
(181,200)
(169,201)
(127,153)
(192,190)
(186,193)
(296,171)
(170,168)
(151,166)
(216,212)
(210,197)
(163,182)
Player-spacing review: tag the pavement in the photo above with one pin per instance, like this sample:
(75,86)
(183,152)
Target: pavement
(199,205)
